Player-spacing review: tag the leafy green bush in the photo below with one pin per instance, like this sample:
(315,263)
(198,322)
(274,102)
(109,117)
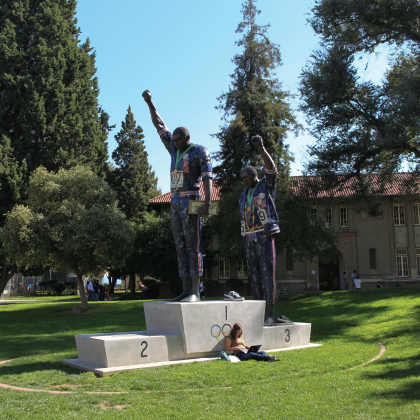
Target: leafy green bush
(234,283)
(152,291)
(47,282)
(147,282)
(59,288)
(210,285)
(127,296)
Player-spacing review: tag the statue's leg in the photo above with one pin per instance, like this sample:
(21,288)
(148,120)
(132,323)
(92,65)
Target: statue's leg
(269,314)
(192,233)
(251,251)
(267,264)
(194,295)
(186,287)
(179,238)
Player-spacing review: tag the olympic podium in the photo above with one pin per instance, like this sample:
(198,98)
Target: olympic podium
(184,332)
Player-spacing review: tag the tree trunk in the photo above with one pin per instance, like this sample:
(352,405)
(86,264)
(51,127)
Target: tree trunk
(5,275)
(133,285)
(83,297)
(112,284)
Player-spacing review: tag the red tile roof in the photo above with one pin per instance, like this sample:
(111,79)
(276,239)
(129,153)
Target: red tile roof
(394,188)
(398,184)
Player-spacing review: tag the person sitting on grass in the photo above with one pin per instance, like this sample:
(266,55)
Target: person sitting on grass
(236,343)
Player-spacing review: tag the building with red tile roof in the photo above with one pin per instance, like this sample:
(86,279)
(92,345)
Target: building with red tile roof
(384,248)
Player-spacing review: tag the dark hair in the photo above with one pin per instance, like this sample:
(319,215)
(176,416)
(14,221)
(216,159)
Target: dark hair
(250,170)
(345,272)
(236,327)
(183,131)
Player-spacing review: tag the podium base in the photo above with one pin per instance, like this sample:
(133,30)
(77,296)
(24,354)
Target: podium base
(184,332)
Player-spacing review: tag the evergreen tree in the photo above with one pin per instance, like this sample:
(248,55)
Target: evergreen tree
(362,127)
(254,104)
(135,184)
(132,179)
(49,113)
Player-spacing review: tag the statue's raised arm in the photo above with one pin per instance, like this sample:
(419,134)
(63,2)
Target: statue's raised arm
(157,119)
(257,141)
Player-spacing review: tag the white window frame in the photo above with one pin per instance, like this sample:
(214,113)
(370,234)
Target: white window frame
(313,211)
(402,262)
(207,273)
(328,217)
(242,267)
(416,213)
(399,212)
(343,214)
(224,268)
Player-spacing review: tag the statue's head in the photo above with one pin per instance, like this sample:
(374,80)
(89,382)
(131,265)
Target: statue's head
(249,176)
(181,138)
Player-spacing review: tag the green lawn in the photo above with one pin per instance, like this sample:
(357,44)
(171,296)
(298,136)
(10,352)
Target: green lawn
(318,383)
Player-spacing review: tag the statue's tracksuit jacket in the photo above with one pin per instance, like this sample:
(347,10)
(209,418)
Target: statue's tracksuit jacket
(259,221)
(194,166)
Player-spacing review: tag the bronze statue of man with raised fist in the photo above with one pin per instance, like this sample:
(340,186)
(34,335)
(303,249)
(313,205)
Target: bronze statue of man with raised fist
(189,163)
(259,222)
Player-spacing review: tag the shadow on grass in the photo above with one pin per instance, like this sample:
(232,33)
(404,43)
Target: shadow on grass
(46,328)
(395,370)
(38,367)
(335,313)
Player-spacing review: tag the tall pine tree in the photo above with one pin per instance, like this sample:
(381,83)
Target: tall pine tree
(133,178)
(49,113)
(135,184)
(255,104)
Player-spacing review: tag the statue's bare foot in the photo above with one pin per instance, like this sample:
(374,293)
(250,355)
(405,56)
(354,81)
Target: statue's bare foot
(269,321)
(192,298)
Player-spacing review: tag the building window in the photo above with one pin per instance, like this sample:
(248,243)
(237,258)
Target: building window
(328,217)
(399,212)
(242,269)
(402,262)
(289,260)
(372,258)
(418,261)
(416,213)
(224,268)
(343,213)
(207,273)
(313,212)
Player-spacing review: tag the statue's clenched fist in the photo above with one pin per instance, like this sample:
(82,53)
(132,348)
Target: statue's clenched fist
(257,141)
(147,95)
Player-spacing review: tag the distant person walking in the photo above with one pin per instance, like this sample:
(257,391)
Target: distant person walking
(90,291)
(101,291)
(357,283)
(353,276)
(345,281)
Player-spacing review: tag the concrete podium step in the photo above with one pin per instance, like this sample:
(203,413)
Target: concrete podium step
(287,335)
(181,332)
(204,326)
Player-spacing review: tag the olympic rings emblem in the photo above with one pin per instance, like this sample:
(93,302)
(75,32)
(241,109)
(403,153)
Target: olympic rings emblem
(217,332)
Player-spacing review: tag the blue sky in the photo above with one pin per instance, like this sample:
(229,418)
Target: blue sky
(181,51)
